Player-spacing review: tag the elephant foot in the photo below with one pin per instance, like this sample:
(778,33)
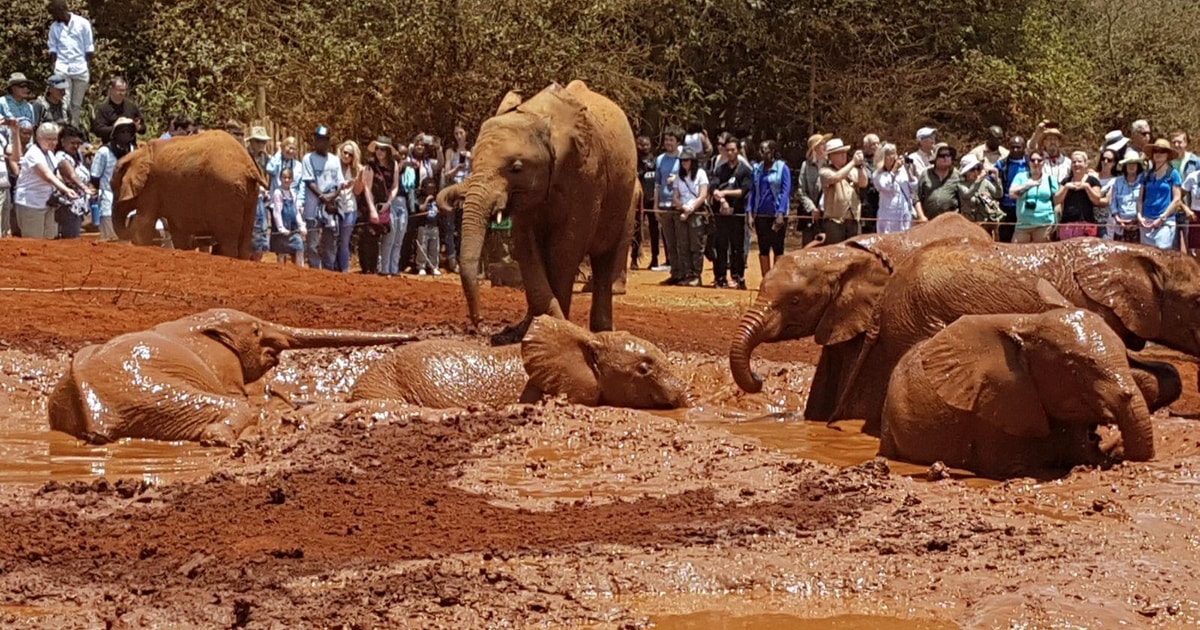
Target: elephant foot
(619,287)
(510,335)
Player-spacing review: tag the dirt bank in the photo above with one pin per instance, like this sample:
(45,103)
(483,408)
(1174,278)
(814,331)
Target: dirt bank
(733,514)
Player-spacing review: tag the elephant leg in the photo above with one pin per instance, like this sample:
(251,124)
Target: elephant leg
(606,268)
(243,247)
(539,296)
(1158,381)
(176,411)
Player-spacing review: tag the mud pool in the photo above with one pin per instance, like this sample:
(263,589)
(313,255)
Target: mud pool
(733,514)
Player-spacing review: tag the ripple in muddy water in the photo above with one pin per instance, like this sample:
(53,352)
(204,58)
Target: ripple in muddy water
(726,621)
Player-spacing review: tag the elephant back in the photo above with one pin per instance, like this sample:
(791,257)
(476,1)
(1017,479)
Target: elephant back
(445,373)
(947,228)
(68,412)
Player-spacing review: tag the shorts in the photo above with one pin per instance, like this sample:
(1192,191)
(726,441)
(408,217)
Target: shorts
(770,240)
(291,243)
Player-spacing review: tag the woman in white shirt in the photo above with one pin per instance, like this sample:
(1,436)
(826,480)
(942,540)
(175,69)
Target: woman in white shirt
(896,184)
(36,183)
(691,191)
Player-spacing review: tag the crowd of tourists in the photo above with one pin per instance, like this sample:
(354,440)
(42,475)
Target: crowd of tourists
(703,200)
(706,200)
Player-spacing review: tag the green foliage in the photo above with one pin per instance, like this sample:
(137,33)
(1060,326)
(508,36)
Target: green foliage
(773,69)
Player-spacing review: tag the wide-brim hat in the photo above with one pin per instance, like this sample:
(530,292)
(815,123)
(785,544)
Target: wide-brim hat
(687,153)
(382,142)
(1131,157)
(836,146)
(969,163)
(937,148)
(1118,146)
(123,121)
(817,139)
(258,133)
(17,78)
(1162,144)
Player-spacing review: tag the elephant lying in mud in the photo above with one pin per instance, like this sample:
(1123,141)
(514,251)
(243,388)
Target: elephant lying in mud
(1005,395)
(555,357)
(830,293)
(184,379)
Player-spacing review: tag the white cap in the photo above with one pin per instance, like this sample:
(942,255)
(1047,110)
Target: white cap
(835,145)
(925,132)
(968,162)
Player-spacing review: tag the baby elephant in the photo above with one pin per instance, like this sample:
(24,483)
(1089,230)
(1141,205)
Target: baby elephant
(182,380)
(555,357)
(1006,395)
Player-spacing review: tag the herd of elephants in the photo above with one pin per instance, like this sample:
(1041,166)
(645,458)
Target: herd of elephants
(1002,359)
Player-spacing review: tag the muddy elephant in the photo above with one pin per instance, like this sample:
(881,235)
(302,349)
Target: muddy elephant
(185,379)
(564,164)
(555,357)
(1006,395)
(202,185)
(829,293)
(1142,293)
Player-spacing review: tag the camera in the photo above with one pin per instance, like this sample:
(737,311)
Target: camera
(908,159)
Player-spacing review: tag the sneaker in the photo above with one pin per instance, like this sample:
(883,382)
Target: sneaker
(437,272)
(660,268)
(421,272)
(719,284)
(691,282)
(741,284)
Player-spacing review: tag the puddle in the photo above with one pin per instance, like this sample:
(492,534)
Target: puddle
(721,620)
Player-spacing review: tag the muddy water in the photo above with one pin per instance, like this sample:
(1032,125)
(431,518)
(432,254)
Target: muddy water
(727,621)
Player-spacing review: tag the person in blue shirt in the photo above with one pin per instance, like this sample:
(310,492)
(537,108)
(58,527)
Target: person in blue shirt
(770,192)
(666,169)
(1008,168)
(1161,194)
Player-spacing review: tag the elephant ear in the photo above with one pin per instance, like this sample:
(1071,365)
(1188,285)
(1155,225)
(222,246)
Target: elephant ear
(1128,284)
(571,130)
(509,102)
(855,287)
(971,373)
(134,171)
(561,358)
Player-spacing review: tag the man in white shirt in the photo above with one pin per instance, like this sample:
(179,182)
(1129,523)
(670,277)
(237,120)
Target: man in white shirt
(322,178)
(922,158)
(71,47)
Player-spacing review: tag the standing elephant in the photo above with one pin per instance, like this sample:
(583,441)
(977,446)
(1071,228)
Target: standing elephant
(1142,293)
(555,357)
(1005,395)
(564,166)
(185,379)
(203,185)
(830,293)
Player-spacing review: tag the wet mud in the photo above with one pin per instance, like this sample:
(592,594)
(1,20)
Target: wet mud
(733,514)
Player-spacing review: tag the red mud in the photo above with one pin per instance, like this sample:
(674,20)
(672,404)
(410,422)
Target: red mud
(376,515)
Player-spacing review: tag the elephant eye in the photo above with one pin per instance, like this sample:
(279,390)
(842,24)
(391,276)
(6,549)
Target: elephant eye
(644,369)
(516,166)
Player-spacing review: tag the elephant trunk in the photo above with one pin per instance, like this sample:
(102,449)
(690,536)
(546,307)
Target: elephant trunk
(480,203)
(303,338)
(759,324)
(1137,431)
(449,197)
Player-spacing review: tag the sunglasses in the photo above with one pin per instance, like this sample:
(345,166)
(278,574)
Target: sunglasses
(1107,159)
(945,155)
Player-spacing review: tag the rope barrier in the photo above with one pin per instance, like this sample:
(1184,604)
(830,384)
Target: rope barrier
(793,218)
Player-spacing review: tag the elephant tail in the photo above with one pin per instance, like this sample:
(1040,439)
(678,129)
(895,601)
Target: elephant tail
(73,404)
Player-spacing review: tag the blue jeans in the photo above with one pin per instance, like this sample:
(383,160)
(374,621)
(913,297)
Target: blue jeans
(392,242)
(335,242)
(312,242)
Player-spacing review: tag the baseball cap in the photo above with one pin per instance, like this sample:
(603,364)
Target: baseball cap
(57,81)
(322,132)
(925,132)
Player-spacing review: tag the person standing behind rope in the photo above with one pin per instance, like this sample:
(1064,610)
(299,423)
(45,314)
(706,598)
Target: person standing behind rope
(770,194)
(646,214)
(731,186)
(808,180)
(322,178)
(666,167)
(261,240)
(690,195)
(841,181)
(103,167)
